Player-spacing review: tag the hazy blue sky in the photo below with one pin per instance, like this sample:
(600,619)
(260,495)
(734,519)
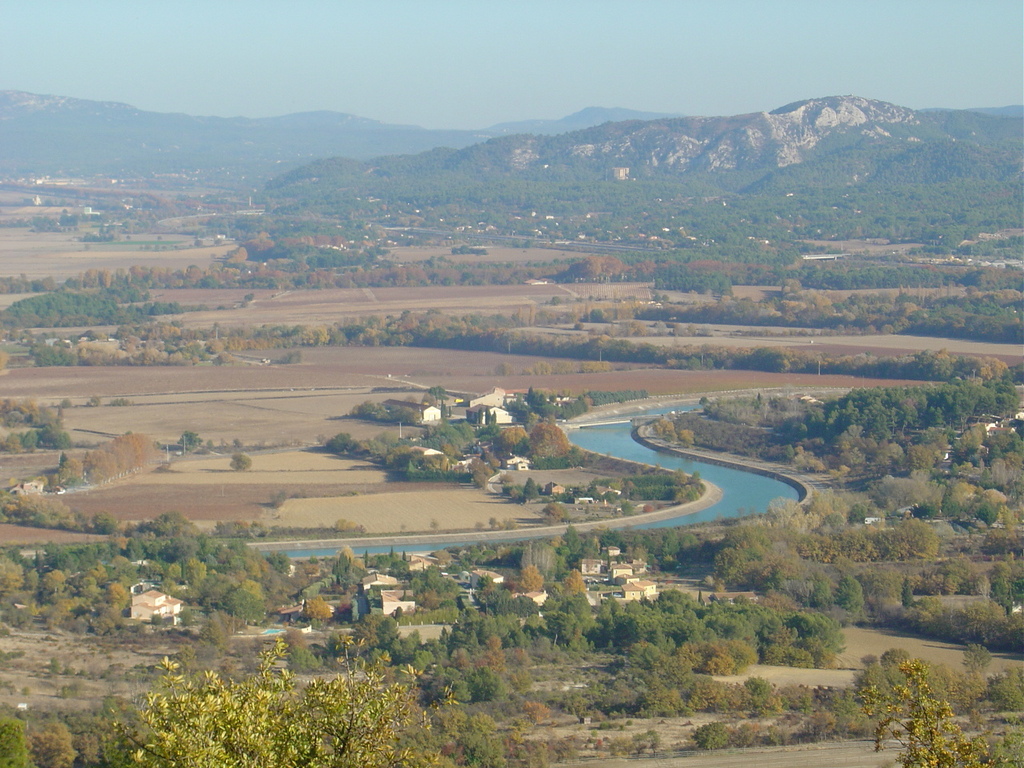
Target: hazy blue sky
(460,64)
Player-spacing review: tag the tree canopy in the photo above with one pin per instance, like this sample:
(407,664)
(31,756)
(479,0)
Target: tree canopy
(349,721)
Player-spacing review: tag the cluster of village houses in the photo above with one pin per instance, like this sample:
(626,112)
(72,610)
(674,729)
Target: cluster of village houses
(383,593)
(488,408)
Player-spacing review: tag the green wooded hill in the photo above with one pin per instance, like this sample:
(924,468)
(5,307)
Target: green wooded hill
(836,140)
(838,167)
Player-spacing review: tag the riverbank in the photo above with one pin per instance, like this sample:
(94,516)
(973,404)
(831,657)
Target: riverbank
(402,542)
(632,408)
(804,484)
(610,463)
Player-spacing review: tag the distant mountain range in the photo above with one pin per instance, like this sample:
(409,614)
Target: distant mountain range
(829,142)
(52,135)
(585,118)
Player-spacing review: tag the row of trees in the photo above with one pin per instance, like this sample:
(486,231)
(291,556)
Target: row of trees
(935,449)
(988,316)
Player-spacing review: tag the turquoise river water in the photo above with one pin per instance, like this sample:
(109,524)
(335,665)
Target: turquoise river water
(743,493)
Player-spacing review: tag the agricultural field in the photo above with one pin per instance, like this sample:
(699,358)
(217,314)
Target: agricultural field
(256,408)
(862,642)
(805,339)
(400,511)
(61,255)
(207,491)
(335,304)
(303,400)
(866,641)
(24,534)
(309,489)
(255,419)
(413,254)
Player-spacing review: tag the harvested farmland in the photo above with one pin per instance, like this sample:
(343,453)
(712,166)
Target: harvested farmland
(395,511)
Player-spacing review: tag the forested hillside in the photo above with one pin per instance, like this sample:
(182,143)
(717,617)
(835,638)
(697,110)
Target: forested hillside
(749,185)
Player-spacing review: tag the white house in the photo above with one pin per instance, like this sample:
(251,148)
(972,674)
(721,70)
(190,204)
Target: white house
(394,600)
(517,463)
(484,414)
(153,603)
(426,413)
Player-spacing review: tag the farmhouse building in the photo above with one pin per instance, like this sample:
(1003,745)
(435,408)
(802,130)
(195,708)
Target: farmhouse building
(488,414)
(638,590)
(289,613)
(538,597)
(153,603)
(392,601)
(425,413)
(517,463)
(620,571)
(378,580)
(422,451)
(421,562)
(496,398)
(28,488)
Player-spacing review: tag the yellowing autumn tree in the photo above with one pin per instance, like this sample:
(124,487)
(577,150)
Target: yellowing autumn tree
(531,579)
(317,609)
(353,720)
(912,715)
(573,583)
(547,441)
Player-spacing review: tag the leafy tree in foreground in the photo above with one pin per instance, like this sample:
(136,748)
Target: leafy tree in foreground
(910,714)
(350,721)
(13,746)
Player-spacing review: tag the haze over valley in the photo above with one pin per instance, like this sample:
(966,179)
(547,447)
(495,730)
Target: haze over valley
(683,431)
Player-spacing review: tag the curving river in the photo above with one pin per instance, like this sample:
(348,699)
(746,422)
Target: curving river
(743,493)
